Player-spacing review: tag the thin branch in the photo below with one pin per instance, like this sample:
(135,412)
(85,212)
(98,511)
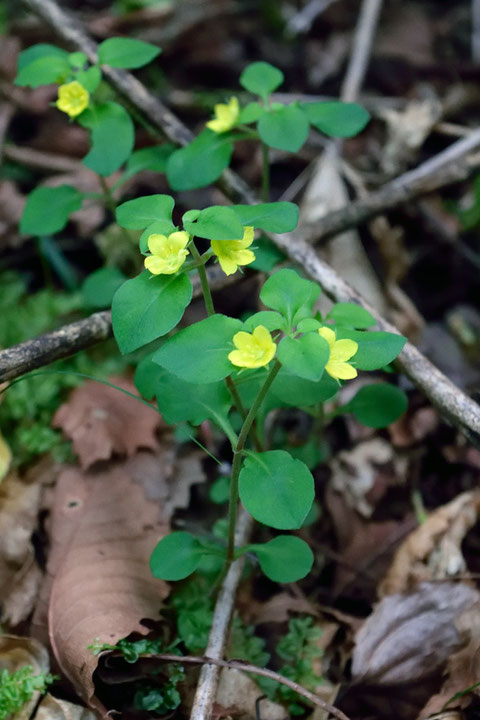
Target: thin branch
(361,50)
(206,691)
(263,672)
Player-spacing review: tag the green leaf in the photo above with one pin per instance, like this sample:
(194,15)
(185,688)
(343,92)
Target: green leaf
(112,137)
(250,113)
(161,227)
(100,286)
(145,378)
(269,319)
(261,78)
(143,211)
(201,162)
(378,405)
(176,556)
(217,222)
(48,209)
(375,349)
(267,255)
(277,217)
(199,353)
(289,294)
(284,559)
(305,356)
(90,79)
(298,392)
(77,60)
(336,119)
(126,53)
(351,315)
(286,128)
(276,489)
(151,158)
(180,401)
(146,307)
(42,64)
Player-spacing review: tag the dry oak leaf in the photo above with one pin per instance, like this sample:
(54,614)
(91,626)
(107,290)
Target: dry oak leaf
(19,574)
(52,708)
(103,422)
(102,586)
(433,550)
(411,636)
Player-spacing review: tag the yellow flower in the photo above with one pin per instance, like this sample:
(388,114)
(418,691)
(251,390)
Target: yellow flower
(72,98)
(232,253)
(168,254)
(254,349)
(340,352)
(226,116)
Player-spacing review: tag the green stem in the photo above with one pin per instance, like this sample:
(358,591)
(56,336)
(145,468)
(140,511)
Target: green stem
(265,173)
(207,295)
(112,206)
(237,400)
(237,459)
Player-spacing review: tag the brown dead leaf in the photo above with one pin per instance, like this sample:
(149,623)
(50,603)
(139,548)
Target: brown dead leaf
(103,532)
(52,708)
(411,428)
(277,609)
(433,550)
(15,653)
(410,636)
(19,573)
(463,667)
(236,689)
(103,422)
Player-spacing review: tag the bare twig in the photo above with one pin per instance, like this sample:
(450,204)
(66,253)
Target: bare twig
(263,672)
(208,682)
(362,46)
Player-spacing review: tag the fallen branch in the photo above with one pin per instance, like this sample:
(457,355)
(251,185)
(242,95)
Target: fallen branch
(263,672)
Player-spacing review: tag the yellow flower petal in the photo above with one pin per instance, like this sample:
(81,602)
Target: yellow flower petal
(327,334)
(343,350)
(232,254)
(5,457)
(179,239)
(254,349)
(73,99)
(157,243)
(168,253)
(341,371)
(226,116)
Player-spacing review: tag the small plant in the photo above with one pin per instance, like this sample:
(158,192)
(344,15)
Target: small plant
(18,687)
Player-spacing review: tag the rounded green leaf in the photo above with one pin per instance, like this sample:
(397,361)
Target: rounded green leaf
(336,119)
(48,209)
(199,353)
(90,79)
(277,217)
(267,255)
(284,559)
(112,137)
(276,489)
(286,128)
(180,401)
(216,222)
(143,211)
(146,307)
(151,158)
(42,64)
(292,390)
(126,53)
(375,349)
(176,556)
(351,315)
(145,378)
(100,286)
(261,78)
(305,356)
(289,294)
(378,405)
(269,319)
(250,113)
(201,162)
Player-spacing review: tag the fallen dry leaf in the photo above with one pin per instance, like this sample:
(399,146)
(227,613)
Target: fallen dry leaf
(236,689)
(433,550)
(19,574)
(463,667)
(52,708)
(98,582)
(17,652)
(411,635)
(103,422)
